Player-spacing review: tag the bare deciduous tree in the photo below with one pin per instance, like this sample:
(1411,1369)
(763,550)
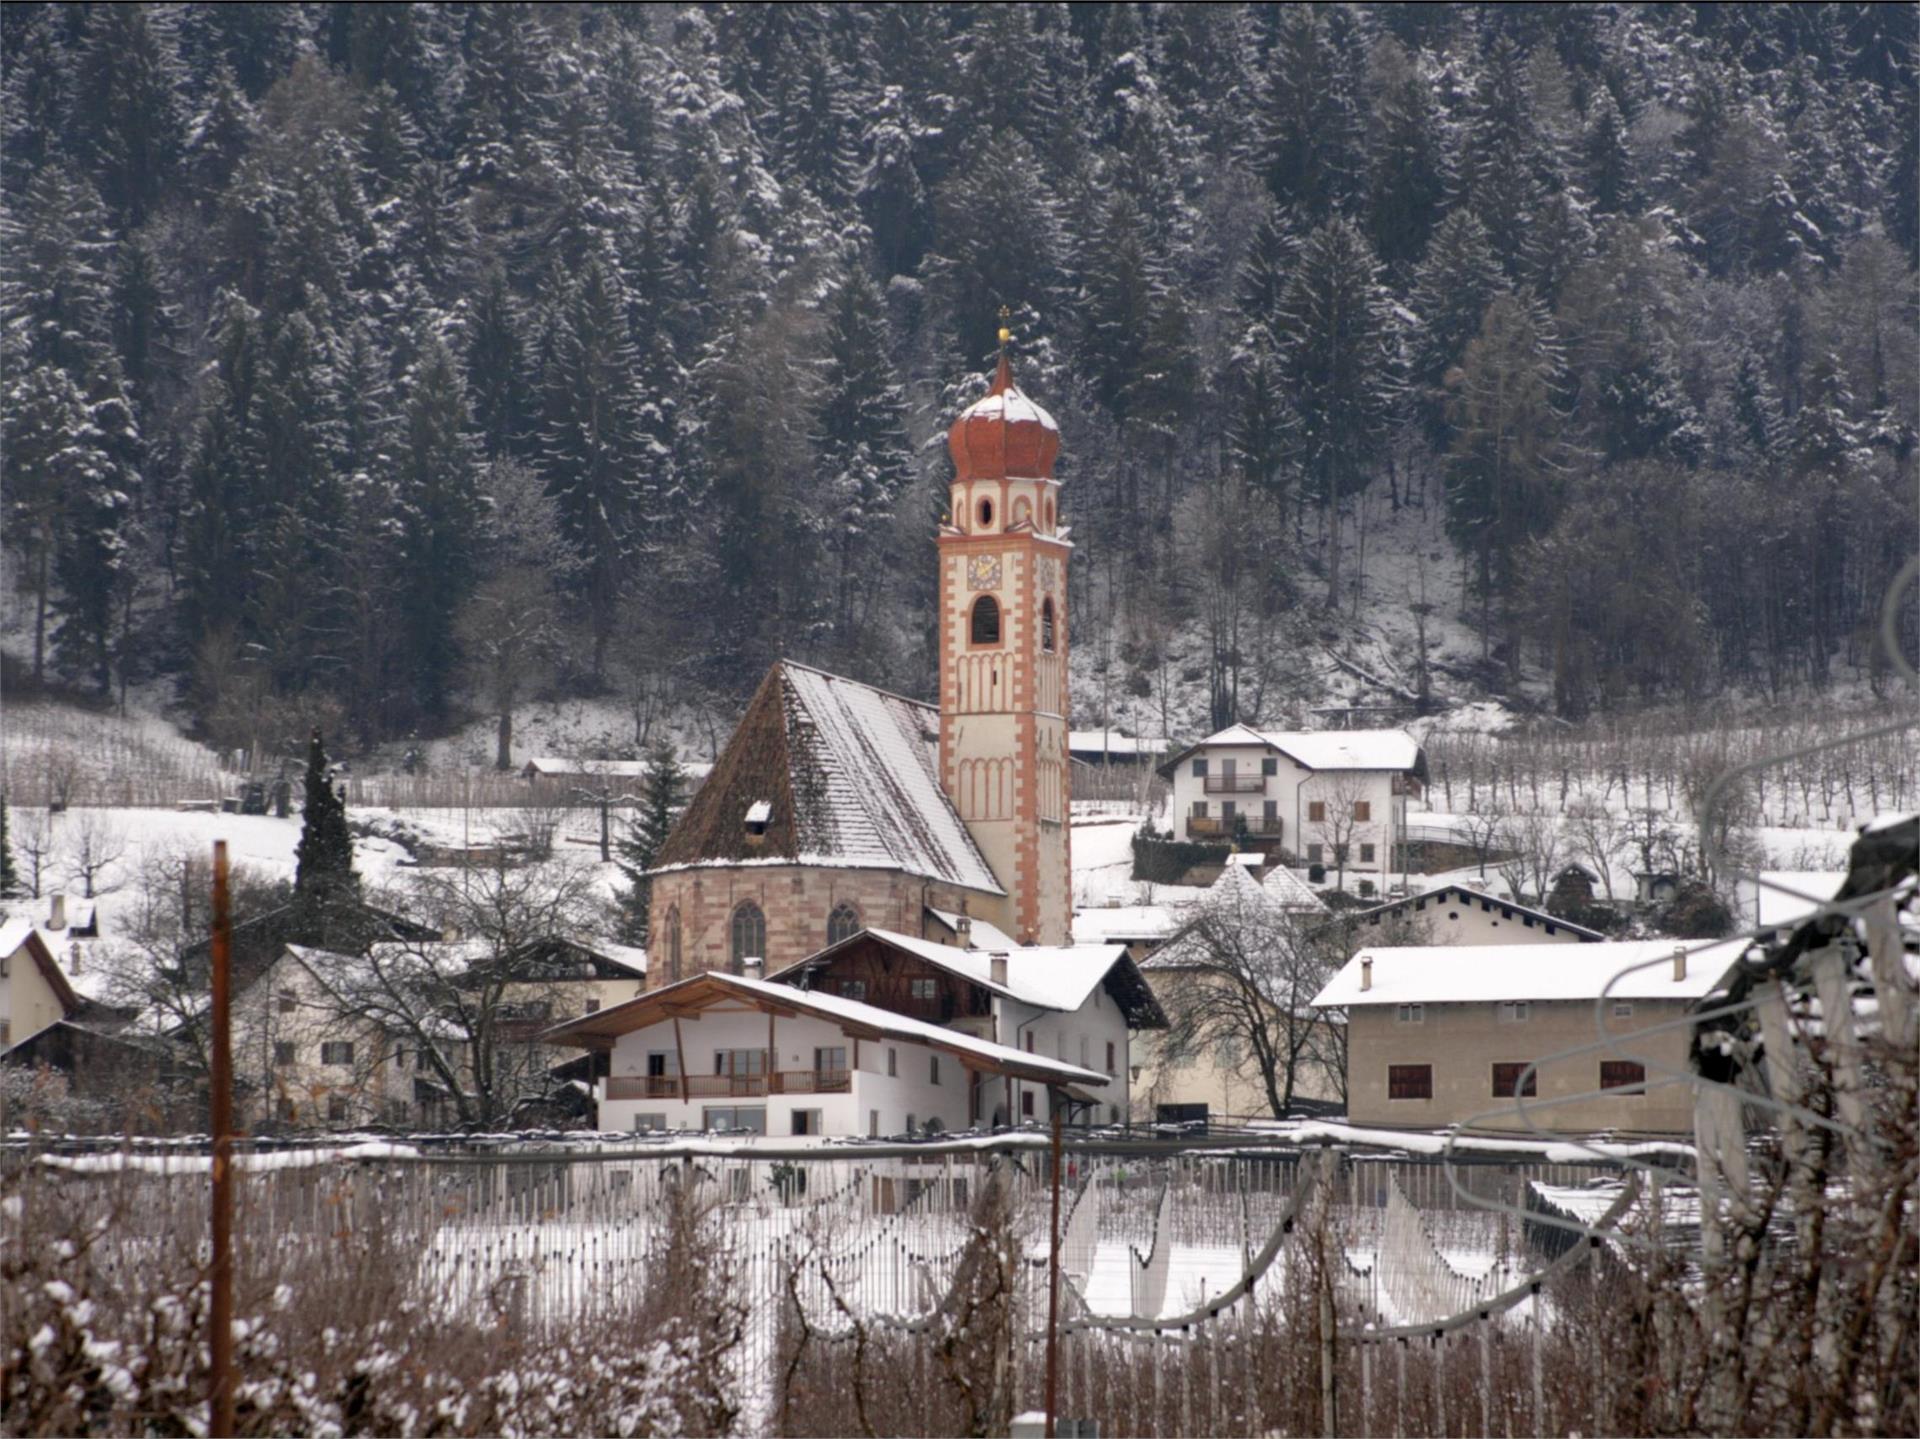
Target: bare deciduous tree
(1535,839)
(1242,978)
(33,837)
(1596,836)
(94,846)
(1346,818)
(1483,829)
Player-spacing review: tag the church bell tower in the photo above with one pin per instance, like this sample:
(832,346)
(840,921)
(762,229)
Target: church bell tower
(1003,654)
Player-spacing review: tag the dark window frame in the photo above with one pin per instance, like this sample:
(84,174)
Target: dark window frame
(1623,1076)
(1409,1081)
(983,623)
(1506,1076)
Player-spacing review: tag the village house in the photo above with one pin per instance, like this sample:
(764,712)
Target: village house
(1456,914)
(737,1052)
(1246,937)
(34,991)
(1444,1035)
(1334,798)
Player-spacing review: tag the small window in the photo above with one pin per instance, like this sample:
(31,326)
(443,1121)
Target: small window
(1029,1041)
(1623,1074)
(593,1006)
(1411,1014)
(1316,854)
(337,1051)
(843,923)
(749,935)
(1046,624)
(1362,809)
(923,989)
(1199,769)
(287,1001)
(1110,1068)
(830,1059)
(644,1123)
(673,944)
(853,989)
(893,1063)
(873,1124)
(1623,1009)
(1049,514)
(1366,854)
(1269,766)
(283,1051)
(1026,1103)
(1317,810)
(1199,809)
(1515,1011)
(1409,1081)
(933,1069)
(986,514)
(986,621)
(337,1109)
(1507,1076)
(913,1125)
(805,1122)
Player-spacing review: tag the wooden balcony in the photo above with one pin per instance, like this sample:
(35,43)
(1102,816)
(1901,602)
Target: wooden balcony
(1221,827)
(1235,783)
(730,1086)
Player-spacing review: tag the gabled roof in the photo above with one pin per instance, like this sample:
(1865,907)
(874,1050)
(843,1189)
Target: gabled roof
(1292,892)
(1507,908)
(705,991)
(1056,977)
(985,935)
(1334,749)
(19,935)
(1122,923)
(850,775)
(1482,973)
(554,960)
(560,767)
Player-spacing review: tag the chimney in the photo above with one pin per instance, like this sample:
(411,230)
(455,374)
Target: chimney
(753,968)
(997,969)
(57,912)
(1366,973)
(1679,963)
(73,957)
(963,931)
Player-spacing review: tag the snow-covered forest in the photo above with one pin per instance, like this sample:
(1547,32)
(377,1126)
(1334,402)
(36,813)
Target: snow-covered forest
(395,364)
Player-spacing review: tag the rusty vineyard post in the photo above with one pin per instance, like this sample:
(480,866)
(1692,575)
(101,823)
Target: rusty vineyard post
(220,1304)
(1056,1101)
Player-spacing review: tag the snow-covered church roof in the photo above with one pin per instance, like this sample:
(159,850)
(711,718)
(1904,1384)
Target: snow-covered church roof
(848,775)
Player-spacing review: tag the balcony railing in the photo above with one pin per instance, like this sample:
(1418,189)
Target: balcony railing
(1253,825)
(1236,783)
(730,1086)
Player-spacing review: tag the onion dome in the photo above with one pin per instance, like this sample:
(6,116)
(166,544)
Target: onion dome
(1004,436)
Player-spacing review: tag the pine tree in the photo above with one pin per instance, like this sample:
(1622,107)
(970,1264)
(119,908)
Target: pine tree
(1606,156)
(591,453)
(323,858)
(1262,281)
(863,457)
(10,886)
(1309,144)
(1338,369)
(1455,282)
(504,405)
(660,800)
(1257,428)
(892,198)
(1499,175)
(127,107)
(1406,160)
(1502,469)
(437,487)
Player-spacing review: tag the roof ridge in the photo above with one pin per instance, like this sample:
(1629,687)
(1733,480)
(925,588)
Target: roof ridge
(861,684)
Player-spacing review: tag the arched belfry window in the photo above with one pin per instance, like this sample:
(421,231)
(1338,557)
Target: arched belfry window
(673,944)
(1046,624)
(749,935)
(986,514)
(843,923)
(986,620)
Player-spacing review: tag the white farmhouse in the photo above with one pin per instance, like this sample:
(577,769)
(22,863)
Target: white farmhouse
(735,1052)
(1336,798)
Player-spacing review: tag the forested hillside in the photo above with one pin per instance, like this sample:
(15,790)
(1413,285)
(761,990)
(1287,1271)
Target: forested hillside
(394,363)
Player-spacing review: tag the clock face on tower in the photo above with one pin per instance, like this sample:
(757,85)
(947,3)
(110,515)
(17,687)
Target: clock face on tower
(983,572)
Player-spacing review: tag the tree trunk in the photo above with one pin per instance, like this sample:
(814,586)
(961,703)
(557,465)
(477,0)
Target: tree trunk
(503,741)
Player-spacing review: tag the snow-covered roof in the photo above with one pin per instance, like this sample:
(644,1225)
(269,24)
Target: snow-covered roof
(874,757)
(1787,896)
(559,766)
(1466,895)
(1011,405)
(20,933)
(641,1012)
(1292,891)
(1337,749)
(1116,923)
(1469,974)
(1112,742)
(985,935)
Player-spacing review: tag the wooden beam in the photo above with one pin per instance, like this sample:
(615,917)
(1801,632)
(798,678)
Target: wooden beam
(680,1058)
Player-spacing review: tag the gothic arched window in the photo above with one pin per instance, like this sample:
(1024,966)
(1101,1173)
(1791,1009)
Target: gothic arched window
(673,944)
(749,935)
(843,923)
(1046,624)
(986,514)
(986,621)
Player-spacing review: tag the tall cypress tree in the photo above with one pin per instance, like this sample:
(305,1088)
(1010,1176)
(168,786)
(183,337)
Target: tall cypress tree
(660,797)
(9,875)
(324,856)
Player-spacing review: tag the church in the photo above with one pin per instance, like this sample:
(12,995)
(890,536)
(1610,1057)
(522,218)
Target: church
(838,807)
(891,881)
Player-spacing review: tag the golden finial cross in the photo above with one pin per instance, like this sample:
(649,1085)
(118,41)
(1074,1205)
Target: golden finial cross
(1005,333)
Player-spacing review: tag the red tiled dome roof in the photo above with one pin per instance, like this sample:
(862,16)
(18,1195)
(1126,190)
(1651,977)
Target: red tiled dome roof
(1004,436)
